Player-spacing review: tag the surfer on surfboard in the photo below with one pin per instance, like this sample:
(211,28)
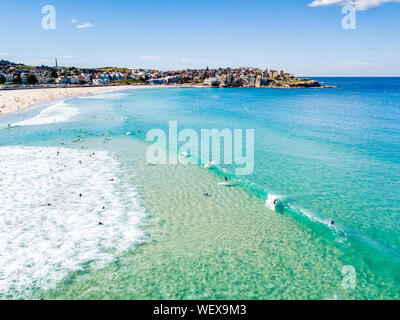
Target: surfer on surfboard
(226,183)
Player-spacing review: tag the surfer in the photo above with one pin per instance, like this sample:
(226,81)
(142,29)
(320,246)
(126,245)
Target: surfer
(226,180)
(274,204)
(331,224)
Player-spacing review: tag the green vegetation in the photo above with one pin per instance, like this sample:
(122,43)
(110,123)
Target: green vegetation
(32,79)
(53,73)
(111,69)
(2,79)
(17,79)
(22,66)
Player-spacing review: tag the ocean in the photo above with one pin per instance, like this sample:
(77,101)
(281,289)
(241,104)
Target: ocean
(83,215)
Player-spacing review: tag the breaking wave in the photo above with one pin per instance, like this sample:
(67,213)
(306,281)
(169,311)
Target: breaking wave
(61,213)
(58,112)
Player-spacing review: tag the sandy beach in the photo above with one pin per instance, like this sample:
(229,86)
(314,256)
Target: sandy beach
(23,99)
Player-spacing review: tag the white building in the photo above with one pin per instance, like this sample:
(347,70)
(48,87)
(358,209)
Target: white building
(101,82)
(73,80)
(156,81)
(210,82)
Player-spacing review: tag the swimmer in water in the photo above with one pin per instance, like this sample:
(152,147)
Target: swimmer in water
(209,165)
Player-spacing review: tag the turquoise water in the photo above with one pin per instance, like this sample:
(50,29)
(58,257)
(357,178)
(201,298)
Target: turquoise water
(328,154)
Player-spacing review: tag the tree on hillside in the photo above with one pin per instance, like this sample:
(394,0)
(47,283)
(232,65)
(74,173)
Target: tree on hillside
(54,73)
(17,79)
(2,79)
(31,79)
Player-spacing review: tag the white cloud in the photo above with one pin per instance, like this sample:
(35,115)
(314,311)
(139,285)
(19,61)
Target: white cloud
(85,25)
(67,57)
(359,4)
(4,54)
(74,21)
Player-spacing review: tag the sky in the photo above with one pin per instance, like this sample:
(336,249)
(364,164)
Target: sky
(304,37)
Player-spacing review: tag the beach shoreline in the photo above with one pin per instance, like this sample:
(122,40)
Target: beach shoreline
(19,100)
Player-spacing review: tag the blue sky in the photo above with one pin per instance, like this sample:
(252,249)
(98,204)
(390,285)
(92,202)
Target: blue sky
(177,34)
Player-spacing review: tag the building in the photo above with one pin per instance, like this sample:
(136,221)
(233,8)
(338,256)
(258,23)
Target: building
(273,74)
(210,82)
(172,79)
(9,78)
(101,82)
(156,81)
(62,80)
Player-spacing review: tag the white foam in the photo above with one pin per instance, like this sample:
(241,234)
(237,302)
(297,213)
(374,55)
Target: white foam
(58,112)
(269,203)
(107,95)
(40,245)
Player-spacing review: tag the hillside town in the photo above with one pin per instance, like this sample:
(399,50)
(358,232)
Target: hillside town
(19,75)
